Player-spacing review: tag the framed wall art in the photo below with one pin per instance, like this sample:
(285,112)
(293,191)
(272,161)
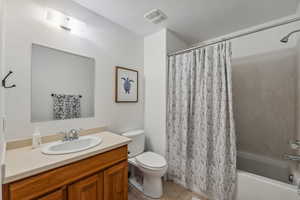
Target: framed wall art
(126,85)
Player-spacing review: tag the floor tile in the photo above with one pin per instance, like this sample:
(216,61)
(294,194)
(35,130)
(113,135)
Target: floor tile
(172,191)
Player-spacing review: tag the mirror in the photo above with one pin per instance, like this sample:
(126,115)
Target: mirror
(62,85)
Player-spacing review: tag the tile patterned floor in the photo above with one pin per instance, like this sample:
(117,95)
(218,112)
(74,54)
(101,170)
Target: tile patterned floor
(172,191)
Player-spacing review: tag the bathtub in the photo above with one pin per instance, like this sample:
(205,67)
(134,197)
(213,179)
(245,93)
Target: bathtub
(264,166)
(251,186)
(255,187)
(263,178)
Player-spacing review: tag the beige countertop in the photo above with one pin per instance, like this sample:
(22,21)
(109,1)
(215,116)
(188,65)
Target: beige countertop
(24,162)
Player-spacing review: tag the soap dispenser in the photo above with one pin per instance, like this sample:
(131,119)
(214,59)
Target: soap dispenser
(36,138)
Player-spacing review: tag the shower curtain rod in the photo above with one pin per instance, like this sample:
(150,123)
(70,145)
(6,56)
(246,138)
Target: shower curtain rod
(237,36)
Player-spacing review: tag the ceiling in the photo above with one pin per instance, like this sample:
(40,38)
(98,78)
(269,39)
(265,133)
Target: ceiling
(192,20)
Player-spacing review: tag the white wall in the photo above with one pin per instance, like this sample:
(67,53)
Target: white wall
(103,40)
(264,42)
(155,90)
(1,69)
(298,8)
(261,42)
(156,47)
(58,72)
(174,43)
(2,142)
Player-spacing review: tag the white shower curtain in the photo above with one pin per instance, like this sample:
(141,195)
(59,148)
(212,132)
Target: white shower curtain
(201,142)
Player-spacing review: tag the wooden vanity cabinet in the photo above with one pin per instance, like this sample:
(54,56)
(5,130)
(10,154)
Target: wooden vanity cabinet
(90,188)
(101,177)
(56,195)
(116,182)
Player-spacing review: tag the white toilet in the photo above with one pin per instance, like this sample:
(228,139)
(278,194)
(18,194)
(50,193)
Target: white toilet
(152,165)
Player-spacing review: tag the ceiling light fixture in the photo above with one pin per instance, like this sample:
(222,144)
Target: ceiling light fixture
(63,21)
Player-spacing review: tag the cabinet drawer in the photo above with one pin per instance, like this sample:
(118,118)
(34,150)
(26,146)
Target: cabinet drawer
(43,183)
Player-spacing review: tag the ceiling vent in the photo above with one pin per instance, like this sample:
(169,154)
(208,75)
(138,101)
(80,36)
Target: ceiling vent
(155,16)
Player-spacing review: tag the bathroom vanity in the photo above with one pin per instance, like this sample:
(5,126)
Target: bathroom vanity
(99,173)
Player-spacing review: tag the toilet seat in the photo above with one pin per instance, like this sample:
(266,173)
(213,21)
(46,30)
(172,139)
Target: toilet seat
(151,160)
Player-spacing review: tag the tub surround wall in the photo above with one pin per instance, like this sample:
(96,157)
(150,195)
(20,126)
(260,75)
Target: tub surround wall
(297,51)
(265,88)
(295,167)
(276,169)
(264,92)
(108,43)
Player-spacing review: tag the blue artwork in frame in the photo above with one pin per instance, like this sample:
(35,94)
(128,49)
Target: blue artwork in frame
(126,85)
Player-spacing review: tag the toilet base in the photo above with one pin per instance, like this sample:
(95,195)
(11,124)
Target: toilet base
(152,186)
(136,185)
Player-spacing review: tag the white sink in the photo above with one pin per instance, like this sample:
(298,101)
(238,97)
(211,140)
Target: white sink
(83,143)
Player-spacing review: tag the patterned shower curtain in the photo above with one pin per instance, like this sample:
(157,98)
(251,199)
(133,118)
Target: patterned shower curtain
(66,106)
(201,147)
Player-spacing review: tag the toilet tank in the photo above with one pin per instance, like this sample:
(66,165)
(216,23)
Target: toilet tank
(137,146)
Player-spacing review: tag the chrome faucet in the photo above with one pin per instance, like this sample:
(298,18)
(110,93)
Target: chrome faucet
(73,134)
(292,157)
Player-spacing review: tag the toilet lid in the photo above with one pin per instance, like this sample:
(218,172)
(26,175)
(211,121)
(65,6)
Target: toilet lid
(150,159)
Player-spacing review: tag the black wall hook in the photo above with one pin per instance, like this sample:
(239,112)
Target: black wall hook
(4,81)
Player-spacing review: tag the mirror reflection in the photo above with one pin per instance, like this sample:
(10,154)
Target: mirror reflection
(62,85)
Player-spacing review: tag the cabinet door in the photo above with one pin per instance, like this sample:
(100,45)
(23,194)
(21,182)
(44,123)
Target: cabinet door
(90,188)
(116,182)
(57,195)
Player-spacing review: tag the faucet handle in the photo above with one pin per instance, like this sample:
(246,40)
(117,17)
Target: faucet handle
(294,144)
